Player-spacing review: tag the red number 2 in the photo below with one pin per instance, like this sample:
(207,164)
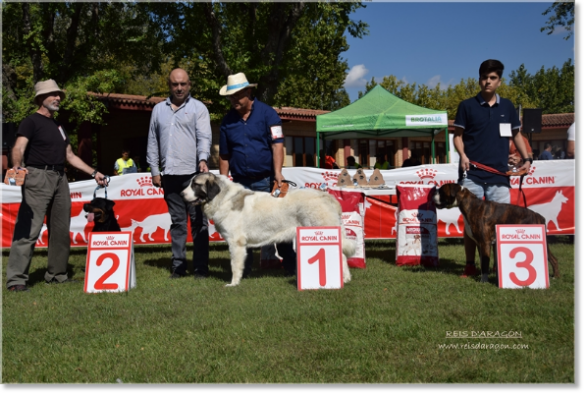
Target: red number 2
(526,264)
(321,258)
(100,284)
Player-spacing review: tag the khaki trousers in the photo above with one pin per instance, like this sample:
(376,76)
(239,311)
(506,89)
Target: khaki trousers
(45,192)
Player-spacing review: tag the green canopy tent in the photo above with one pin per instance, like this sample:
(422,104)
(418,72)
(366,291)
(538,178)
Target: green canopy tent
(379,113)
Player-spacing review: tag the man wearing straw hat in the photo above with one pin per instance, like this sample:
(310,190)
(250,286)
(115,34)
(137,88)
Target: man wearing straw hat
(43,146)
(251,149)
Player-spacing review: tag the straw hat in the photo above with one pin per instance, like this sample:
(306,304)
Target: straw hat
(49,86)
(236,83)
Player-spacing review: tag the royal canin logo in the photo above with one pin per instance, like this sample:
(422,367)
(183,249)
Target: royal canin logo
(426,173)
(146,188)
(109,237)
(520,231)
(532,179)
(145,181)
(329,176)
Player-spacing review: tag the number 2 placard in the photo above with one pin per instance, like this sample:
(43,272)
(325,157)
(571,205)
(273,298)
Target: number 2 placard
(522,256)
(110,263)
(319,258)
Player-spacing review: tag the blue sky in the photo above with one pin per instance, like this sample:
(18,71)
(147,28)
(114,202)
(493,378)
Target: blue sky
(427,43)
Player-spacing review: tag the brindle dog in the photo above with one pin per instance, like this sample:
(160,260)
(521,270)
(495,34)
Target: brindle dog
(482,216)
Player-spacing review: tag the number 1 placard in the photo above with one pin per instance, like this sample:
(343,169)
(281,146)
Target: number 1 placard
(522,256)
(110,263)
(319,258)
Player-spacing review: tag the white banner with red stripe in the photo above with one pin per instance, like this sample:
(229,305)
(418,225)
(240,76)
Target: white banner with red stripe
(141,209)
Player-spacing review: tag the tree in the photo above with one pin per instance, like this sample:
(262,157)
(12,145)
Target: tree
(551,90)
(563,15)
(82,46)
(445,99)
(292,50)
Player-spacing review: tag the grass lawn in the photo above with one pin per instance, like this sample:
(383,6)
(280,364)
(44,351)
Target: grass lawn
(388,325)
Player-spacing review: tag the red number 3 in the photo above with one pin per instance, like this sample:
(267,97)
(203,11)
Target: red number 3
(100,284)
(320,257)
(526,264)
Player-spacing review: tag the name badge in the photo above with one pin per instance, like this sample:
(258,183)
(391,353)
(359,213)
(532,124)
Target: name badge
(277,132)
(62,133)
(505,129)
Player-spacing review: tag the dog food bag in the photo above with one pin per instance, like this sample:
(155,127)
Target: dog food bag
(352,203)
(416,226)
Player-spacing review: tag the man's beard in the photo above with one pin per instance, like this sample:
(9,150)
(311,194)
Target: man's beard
(52,107)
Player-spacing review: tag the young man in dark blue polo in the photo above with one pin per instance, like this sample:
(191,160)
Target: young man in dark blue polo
(251,149)
(484,124)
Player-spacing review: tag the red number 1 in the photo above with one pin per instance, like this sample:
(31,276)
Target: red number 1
(526,264)
(321,258)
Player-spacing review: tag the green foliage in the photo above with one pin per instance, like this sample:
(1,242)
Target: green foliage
(551,90)
(563,15)
(80,45)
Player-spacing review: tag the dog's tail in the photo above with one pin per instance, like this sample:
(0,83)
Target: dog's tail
(348,245)
(554,263)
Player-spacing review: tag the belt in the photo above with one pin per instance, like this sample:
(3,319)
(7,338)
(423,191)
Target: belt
(49,167)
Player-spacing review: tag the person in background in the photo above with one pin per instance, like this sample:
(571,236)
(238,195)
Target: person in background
(571,140)
(43,146)
(327,162)
(251,150)
(515,159)
(352,163)
(381,163)
(179,141)
(136,160)
(546,153)
(411,161)
(558,152)
(125,164)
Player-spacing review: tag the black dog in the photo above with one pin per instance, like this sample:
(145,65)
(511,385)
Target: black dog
(101,212)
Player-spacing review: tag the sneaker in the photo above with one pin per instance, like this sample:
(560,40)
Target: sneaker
(18,288)
(469,270)
(54,281)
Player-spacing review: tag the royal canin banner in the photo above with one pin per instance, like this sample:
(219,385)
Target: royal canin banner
(141,209)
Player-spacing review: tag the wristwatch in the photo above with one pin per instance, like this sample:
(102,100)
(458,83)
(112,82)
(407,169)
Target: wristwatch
(530,160)
(93,175)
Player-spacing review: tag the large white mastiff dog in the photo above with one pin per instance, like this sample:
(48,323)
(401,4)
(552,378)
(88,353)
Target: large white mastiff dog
(252,219)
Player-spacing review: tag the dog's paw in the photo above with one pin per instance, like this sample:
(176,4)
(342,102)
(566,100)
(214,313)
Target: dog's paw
(231,285)
(347,278)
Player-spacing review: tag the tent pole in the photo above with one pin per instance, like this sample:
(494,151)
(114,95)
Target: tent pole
(448,145)
(317,151)
(432,147)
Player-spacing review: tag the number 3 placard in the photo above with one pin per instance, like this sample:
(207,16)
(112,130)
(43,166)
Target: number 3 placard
(522,256)
(319,258)
(110,263)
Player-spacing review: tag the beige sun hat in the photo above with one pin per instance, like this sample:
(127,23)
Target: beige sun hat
(49,86)
(236,83)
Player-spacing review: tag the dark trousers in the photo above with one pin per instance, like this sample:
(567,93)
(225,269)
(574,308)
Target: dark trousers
(45,192)
(285,249)
(180,210)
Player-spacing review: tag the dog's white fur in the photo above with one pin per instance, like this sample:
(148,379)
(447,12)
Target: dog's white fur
(253,219)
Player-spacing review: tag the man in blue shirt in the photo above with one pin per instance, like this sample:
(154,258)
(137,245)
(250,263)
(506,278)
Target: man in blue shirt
(483,125)
(180,137)
(251,150)
(546,154)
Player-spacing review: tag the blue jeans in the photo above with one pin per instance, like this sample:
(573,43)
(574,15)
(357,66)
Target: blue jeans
(285,249)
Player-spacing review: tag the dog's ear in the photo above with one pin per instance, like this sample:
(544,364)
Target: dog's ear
(110,204)
(212,189)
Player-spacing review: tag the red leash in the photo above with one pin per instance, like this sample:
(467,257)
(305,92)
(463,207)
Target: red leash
(507,174)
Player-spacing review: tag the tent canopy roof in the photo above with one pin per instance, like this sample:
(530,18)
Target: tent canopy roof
(379,113)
